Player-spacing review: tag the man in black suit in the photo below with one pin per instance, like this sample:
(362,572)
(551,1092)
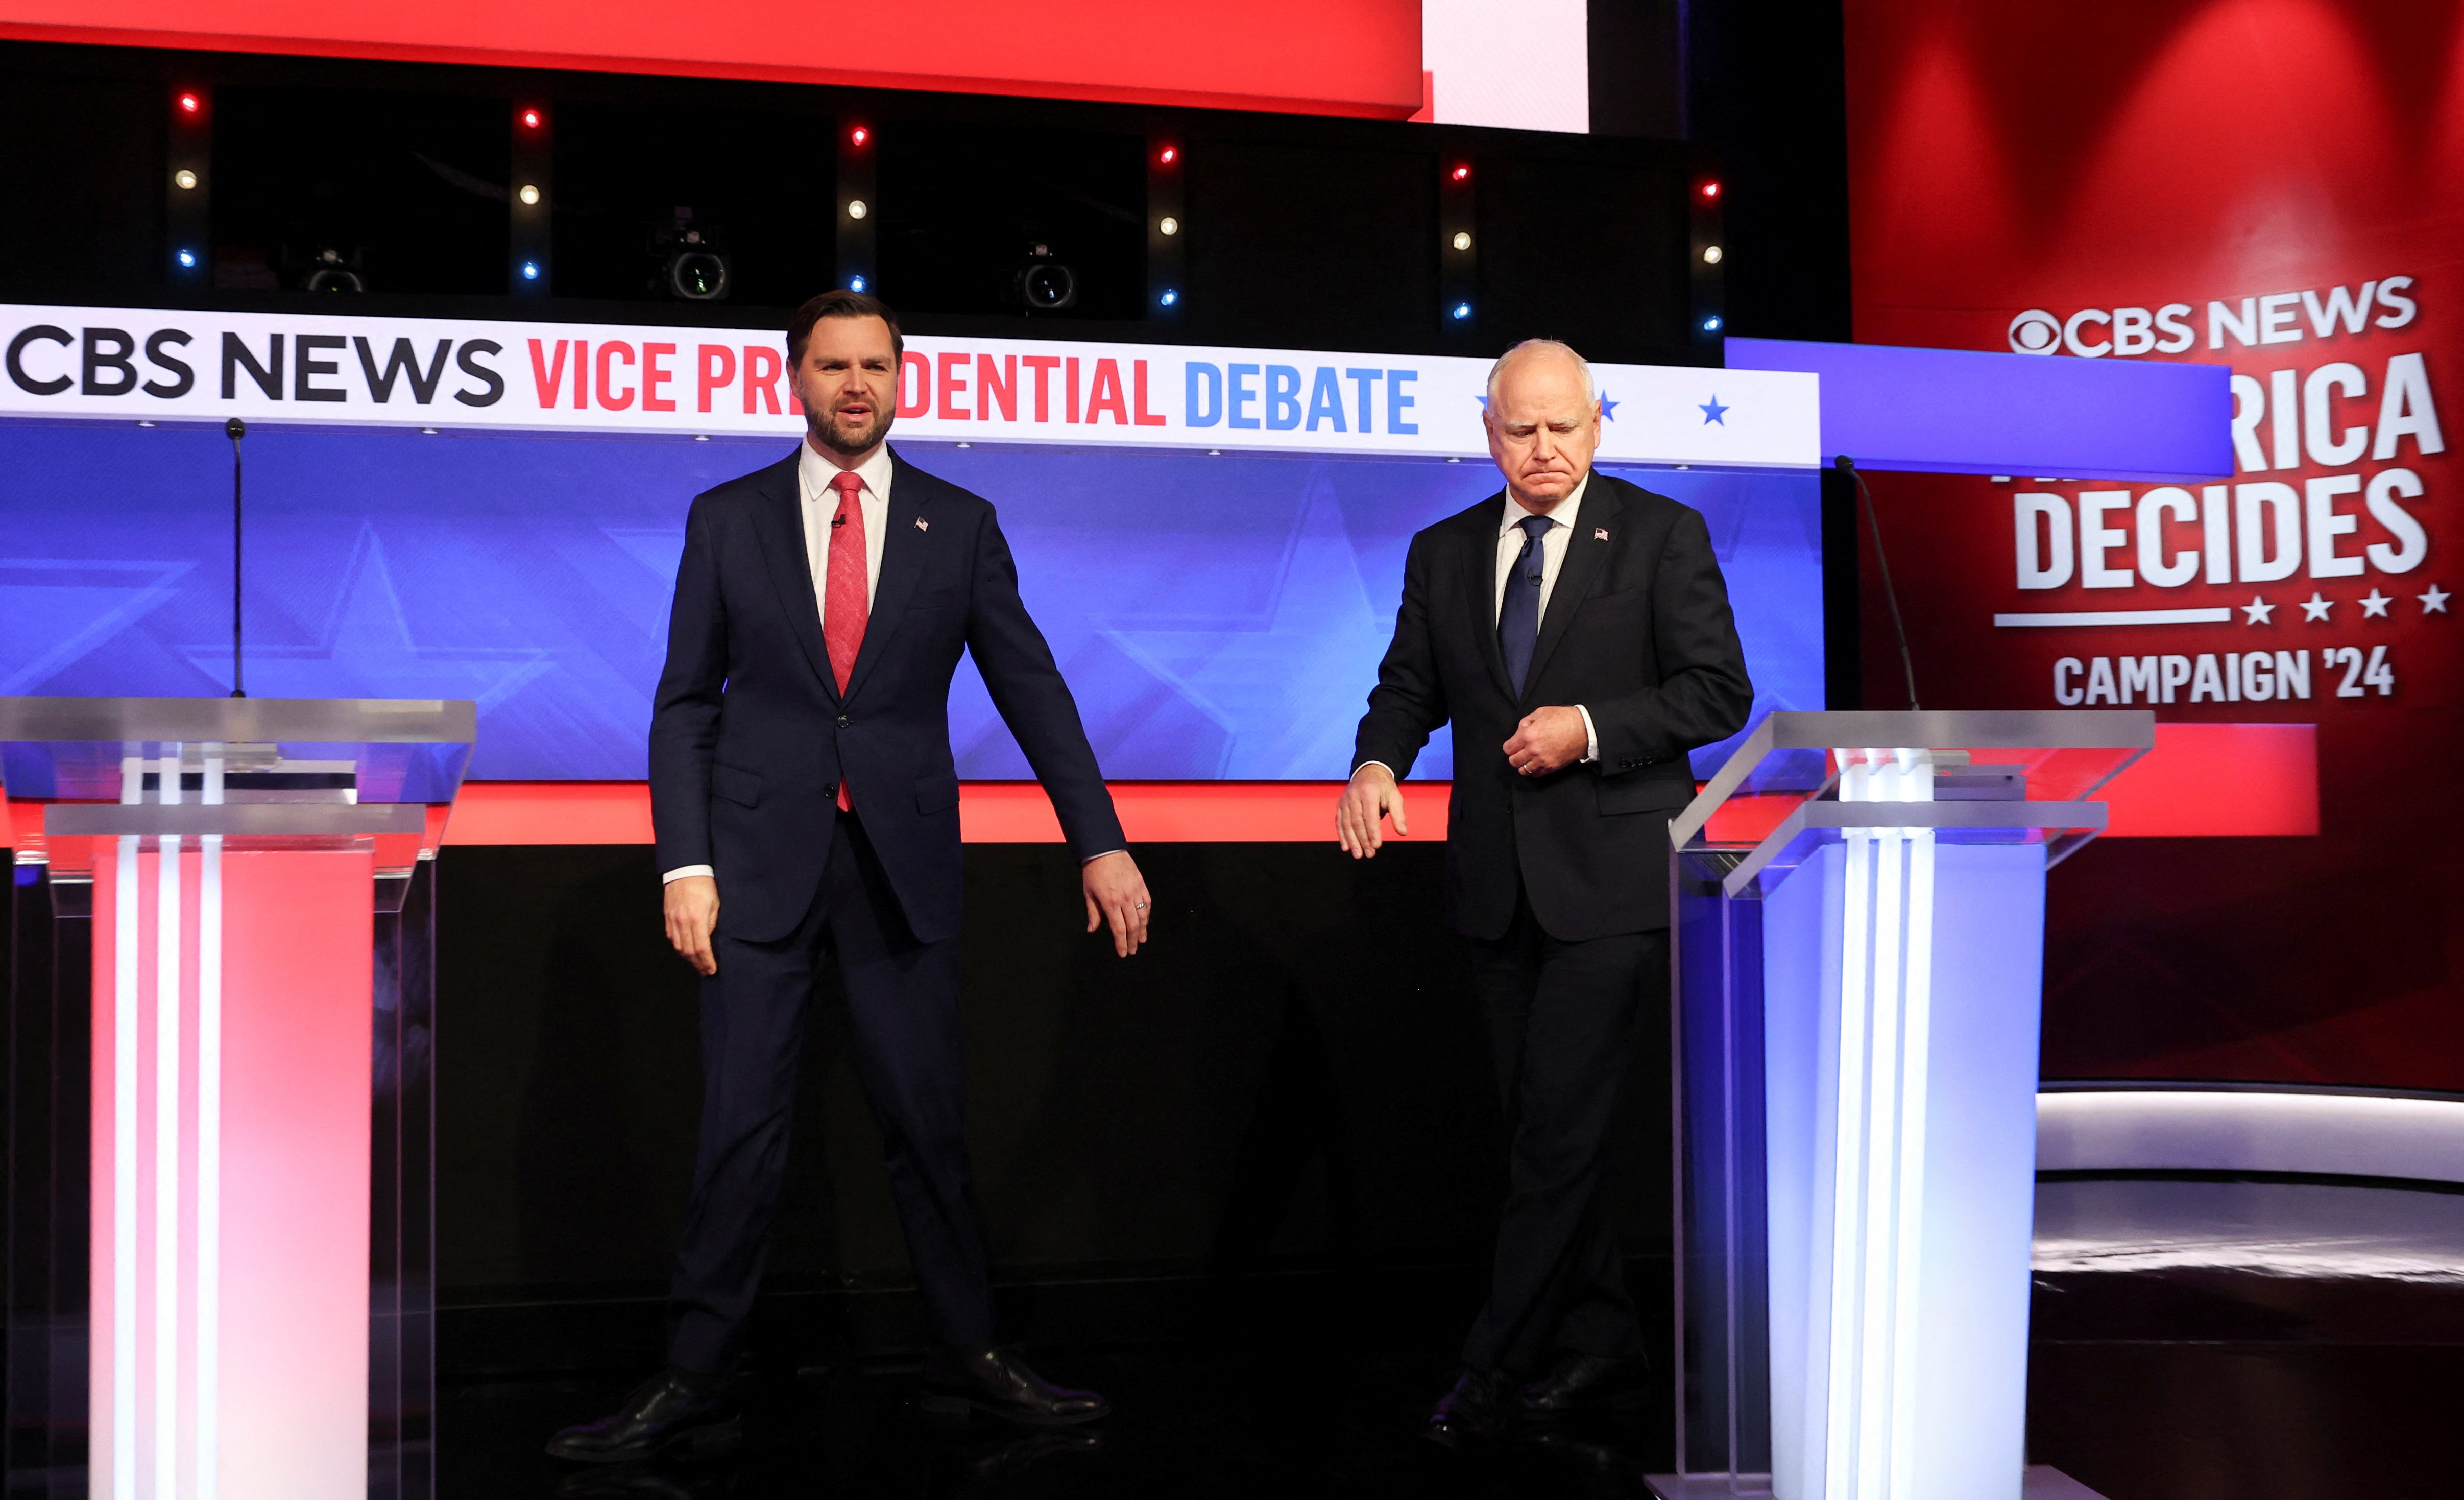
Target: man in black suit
(1577,631)
(800,764)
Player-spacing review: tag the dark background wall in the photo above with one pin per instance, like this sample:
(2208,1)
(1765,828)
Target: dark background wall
(1292,1076)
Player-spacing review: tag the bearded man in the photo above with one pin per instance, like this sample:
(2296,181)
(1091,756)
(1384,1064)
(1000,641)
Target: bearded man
(807,803)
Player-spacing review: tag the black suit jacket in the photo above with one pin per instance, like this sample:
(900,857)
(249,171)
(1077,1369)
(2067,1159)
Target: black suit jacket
(1637,631)
(750,736)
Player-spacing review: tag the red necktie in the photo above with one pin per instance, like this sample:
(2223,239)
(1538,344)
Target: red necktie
(845,609)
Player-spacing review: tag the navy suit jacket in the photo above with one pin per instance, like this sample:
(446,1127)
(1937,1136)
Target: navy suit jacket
(750,736)
(1639,631)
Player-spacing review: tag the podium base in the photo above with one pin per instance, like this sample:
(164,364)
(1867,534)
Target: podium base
(2036,1482)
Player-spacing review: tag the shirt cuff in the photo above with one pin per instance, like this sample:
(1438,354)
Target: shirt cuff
(1591,735)
(686,872)
(1092,858)
(1380,765)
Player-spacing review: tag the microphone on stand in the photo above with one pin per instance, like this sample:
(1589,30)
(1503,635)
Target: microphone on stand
(236,429)
(1890,596)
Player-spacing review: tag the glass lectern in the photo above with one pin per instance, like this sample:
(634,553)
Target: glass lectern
(221,1007)
(1859,956)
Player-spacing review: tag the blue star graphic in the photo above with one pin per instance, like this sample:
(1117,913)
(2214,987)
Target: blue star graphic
(55,613)
(1713,411)
(1256,678)
(368,650)
(1608,408)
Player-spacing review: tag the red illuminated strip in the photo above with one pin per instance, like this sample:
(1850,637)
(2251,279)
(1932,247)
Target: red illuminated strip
(2219,781)
(989,813)
(2202,780)
(1362,57)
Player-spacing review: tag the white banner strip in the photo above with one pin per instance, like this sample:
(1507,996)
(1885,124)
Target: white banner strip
(452,373)
(2102,617)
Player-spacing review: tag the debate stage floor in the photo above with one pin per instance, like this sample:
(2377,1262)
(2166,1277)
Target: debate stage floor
(2193,1340)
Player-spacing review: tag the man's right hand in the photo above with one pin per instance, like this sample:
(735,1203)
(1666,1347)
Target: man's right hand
(692,914)
(1371,794)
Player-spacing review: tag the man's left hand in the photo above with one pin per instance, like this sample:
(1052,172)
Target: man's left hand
(1547,739)
(1117,894)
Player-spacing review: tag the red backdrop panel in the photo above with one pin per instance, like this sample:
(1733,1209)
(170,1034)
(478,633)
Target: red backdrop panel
(1358,57)
(2276,185)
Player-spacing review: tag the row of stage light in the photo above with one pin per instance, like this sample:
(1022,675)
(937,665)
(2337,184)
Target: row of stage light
(697,271)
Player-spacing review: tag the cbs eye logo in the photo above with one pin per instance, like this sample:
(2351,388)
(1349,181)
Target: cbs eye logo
(2036,332)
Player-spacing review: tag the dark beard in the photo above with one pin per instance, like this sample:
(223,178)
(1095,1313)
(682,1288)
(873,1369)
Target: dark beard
(827,433)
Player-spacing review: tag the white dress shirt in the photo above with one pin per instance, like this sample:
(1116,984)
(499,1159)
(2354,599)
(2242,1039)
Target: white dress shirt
(819,507)
(1552,556)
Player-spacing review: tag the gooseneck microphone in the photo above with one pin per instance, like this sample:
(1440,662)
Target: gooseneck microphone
(236,429)
(1890,595)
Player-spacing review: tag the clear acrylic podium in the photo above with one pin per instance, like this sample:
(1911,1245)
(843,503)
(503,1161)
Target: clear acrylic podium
(220,1256)
(1860,956)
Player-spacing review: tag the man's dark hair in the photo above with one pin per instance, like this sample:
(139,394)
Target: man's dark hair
(839,304)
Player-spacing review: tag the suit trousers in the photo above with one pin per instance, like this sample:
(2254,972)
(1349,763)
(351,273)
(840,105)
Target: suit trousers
(1564,1021)
(902,999)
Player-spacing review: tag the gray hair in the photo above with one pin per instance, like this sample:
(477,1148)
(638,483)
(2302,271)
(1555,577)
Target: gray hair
(1591,391)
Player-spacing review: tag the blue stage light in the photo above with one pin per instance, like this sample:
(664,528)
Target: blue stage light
(855,283)
(530,269)
(1711,324)
(189,259)
(1169,297)
(1463,310)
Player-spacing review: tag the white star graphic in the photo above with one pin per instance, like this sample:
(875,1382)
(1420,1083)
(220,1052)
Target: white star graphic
(2315,607)
(2433,601)
(2260,611)
(2374,605)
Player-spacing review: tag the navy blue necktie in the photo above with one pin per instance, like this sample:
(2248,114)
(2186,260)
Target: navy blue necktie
(1518,616)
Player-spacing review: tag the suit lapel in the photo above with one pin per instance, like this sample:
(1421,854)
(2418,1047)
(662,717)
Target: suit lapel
(1585,551)
(903,547)
(1480,577)
(779,525)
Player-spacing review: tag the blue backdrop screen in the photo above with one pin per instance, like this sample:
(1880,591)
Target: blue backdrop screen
(1217,617)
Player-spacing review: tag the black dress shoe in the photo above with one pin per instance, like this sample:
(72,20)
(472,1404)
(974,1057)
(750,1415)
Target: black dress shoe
(958,1381)
(1576,1383)
(1469,1412)
(673,1409)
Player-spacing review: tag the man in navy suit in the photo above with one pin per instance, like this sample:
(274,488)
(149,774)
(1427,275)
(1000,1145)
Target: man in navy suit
(1576,630)
(805,802)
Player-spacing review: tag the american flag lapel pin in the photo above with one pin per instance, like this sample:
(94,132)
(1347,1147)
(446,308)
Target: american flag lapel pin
(923,525)
(1598,533)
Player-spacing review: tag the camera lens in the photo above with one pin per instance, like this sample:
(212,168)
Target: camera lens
(698,276)
(1048,286)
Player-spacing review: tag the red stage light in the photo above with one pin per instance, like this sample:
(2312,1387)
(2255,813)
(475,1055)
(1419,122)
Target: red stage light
(1711,189)
(530,120)
(1462,174)
(189,103)
(858,135)
(1168,155)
